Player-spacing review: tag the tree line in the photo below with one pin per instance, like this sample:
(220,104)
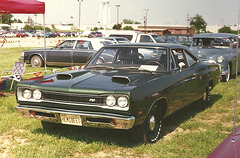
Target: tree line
(197,23)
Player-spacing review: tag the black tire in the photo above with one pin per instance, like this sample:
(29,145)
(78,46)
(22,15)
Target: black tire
(152,126)
(36,61)
(49,126)
(206,98)
(226,78)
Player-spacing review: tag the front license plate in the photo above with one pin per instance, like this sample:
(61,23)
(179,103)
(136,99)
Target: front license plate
(71,119)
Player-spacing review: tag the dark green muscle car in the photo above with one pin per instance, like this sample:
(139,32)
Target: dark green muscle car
(122,87)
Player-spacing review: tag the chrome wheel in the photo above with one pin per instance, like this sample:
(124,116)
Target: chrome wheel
(152,123)
(36,61)
(152,126)
(226,78)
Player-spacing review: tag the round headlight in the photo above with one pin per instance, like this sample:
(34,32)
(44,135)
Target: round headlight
(220,59)
(37,94)
(27,94)
(110,100)
(122,101)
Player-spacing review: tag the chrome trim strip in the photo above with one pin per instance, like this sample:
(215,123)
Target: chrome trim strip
(87,104)
(103,106)
(120,121)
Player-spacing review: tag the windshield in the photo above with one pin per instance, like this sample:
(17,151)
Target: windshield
(143,59)
(158,39)
(211,42)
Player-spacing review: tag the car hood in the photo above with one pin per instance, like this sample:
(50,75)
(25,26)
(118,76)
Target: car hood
(208,53)
(94,80)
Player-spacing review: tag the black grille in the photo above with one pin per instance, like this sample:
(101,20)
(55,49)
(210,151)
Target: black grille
(74,98)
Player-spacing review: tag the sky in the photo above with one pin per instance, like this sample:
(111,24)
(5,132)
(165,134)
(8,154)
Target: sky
(160,12)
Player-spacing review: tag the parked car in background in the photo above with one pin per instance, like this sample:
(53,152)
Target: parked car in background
(178,39)
(57,34)
(9,34)
(136,36)
(71,52)
(95,34)
(119,90)
(19,34)
(117,40)
(50,35)
(220,48)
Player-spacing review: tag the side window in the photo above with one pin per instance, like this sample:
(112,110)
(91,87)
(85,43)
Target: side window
(191,60)
(172,62)
(145,38)
(83,45)
(68,44)
(179,57)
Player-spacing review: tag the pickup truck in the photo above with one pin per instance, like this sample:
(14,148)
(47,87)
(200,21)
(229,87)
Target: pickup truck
(137,37)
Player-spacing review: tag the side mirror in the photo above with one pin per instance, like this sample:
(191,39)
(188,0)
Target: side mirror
(234,44)
(182,65)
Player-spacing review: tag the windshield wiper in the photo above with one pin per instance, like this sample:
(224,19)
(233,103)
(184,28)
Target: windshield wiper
(101,67)
(128,67)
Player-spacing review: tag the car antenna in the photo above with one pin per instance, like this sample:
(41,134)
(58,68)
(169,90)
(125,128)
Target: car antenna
(235,100)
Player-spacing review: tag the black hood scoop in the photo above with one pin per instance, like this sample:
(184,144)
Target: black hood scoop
(64,76)
(121,79)
(69,76)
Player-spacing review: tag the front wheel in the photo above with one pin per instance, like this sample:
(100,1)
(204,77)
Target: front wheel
(226,78)
(152,126)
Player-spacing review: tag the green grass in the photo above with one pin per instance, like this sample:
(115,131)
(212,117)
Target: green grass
(190,132)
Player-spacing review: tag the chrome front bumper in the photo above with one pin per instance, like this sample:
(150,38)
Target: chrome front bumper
(88,119)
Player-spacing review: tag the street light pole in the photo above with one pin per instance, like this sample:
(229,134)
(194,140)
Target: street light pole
(79,19)
(117,11)
(145,20)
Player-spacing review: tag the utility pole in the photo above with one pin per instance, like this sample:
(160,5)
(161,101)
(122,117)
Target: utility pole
(188,23)
(117,12)
(79,19)
(145,20)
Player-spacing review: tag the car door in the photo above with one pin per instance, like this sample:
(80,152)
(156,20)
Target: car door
(82,52)
(234,52)
(185,75)
(62,54)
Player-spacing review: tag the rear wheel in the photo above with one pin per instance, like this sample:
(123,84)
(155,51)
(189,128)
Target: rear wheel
(152,126)
(36,61)
(206,98)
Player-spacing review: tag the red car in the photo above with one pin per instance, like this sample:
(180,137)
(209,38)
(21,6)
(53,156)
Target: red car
(229,147)
(95,34)
(20,34)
